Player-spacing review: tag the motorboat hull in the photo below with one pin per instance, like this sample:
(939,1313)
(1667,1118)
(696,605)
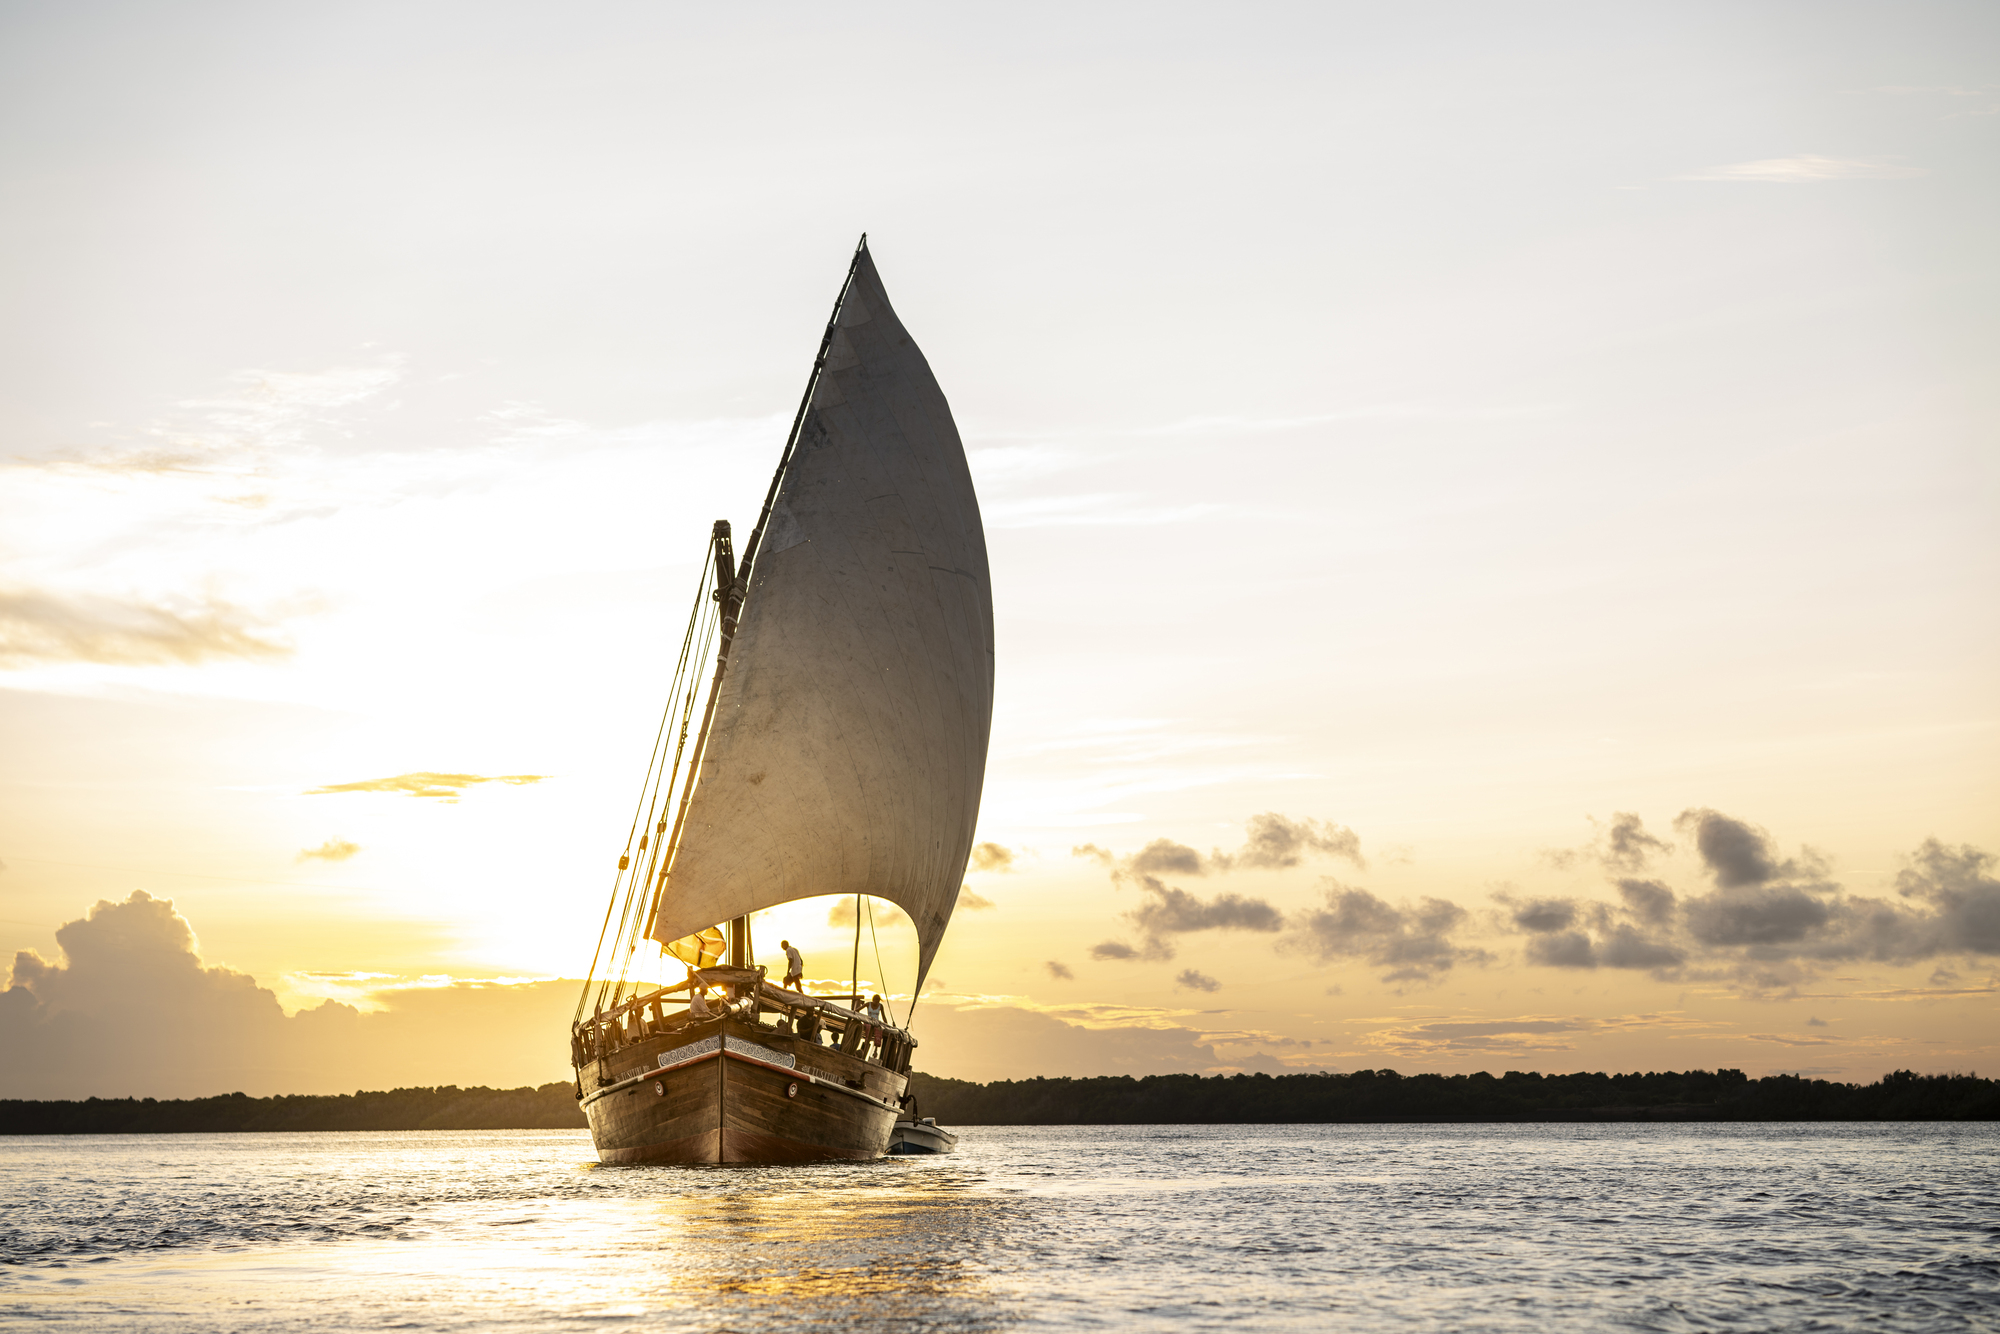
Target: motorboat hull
(910,1138)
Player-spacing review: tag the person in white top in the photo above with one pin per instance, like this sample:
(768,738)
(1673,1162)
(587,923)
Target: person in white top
(795,966)
(878,1014)
(698,1007)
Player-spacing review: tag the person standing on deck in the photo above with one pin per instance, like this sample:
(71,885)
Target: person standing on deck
(878,1015)
(795,966)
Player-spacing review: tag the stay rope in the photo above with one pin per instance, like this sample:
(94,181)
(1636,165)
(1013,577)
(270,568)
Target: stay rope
(648,797)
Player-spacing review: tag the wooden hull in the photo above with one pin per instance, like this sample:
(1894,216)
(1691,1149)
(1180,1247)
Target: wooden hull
(738,1092)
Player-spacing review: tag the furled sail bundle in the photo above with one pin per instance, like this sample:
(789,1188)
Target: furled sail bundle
(848,743)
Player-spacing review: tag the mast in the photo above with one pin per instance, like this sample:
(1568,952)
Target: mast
(732,582)
(854,971)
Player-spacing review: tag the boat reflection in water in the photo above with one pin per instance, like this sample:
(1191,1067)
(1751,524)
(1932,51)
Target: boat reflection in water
(850,1251)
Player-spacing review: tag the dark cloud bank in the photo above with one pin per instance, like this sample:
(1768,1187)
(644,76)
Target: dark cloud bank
(1411,942)
(130,1008)
(1762,919)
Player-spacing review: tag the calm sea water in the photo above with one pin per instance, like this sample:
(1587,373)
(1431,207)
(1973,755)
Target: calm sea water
(1356,1228)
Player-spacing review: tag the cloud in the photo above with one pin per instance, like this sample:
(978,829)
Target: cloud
(1914,993)
(1770,919)
(333,850)
(1624,947)
(1413,942)
(1013,1042)
(426,784)
(131,1009)
(1619,946)
(46,627)
(1008,1037)
(1963,894)
(1806,169)
(1195,980)
(1648,900)
(881,912)
(1563,949)
(1735,853)
(992,857)
(1814,1021)
(256,413)
(1538,915)
(265,408)
(1172,911)
(1454,1037)
(1059,971)
(1764,915)
(1163,856)
(1627,845)
(1168,910)
(967,901)
(1271,842)
(1520,1036)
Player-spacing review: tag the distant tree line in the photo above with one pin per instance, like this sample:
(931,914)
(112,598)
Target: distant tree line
(550,1107)
(1384,1095)
(1363,1096)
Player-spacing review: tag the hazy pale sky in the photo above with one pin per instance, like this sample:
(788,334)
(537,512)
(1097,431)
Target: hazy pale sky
(1491,511)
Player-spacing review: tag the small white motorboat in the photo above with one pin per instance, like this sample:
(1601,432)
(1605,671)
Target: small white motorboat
(925,1136)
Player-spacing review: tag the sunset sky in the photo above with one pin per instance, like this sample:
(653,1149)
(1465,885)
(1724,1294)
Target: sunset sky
(1491,509)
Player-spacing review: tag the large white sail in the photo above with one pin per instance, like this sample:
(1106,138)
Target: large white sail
(848,747)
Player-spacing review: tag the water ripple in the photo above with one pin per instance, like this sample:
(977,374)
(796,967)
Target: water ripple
(1268,1228)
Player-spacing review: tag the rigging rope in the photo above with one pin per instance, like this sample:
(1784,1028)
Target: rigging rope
(658,859)
(655,777)
(880,972)
(653,763)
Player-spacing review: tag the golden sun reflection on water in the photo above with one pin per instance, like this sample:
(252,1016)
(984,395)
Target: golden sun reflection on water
(904,1251)
(854,1246)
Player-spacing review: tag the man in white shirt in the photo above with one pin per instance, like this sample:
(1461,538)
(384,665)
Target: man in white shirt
(795,966)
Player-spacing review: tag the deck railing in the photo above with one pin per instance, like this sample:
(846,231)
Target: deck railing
(750,997)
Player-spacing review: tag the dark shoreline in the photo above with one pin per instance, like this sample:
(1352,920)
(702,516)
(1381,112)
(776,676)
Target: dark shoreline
(1363,1097)
(1375,1096)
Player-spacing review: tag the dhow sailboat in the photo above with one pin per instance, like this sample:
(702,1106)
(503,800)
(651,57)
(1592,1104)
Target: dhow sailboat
(839,749)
